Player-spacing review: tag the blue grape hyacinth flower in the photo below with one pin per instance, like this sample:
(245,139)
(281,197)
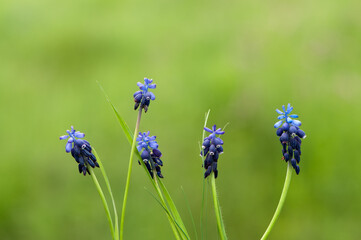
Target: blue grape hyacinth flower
(285,116)
(80,150)
(142,98)
(290,136)
(150,154)
(211,149)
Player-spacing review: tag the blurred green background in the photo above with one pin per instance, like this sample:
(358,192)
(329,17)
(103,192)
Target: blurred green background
(241,59)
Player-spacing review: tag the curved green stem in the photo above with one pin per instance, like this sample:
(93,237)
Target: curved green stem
(220,225)
(280,203)
(100,191)
(129,172)
(116,232)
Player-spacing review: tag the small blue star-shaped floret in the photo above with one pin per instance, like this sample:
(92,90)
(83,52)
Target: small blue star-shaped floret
(80,150)
(142,98)
(285,116)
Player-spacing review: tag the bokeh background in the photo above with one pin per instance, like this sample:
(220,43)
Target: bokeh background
(241,59)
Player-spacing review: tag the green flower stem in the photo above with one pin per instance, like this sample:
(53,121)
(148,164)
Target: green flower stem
(204,180)
(281,202)
(202,208)
(95,180)
(220,225)
(116,233)
(170,218)
(129,172)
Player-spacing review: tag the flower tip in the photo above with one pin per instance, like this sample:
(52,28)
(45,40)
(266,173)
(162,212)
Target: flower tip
(279,111)
(296,123)
(63,137)
(277,124)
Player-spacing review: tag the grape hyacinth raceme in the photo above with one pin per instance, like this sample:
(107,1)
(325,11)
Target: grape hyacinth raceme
(80,150)
(142,98)
(150,155)
(290,136)
(211,149)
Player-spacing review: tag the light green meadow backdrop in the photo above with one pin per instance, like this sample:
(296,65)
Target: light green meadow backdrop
(241,59)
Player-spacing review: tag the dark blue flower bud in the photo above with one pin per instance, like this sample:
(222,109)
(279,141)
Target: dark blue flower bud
(301,133)
(297,156)
(145,108)
(208,171)
(138,98)
(286,156)
(279,131)
(158,161)
(220,149)
(80,168)
(159,173)
(293,143)
(285,126)
(147,96)
(136,105)
(284,137)
(157,153)
(145,154)
(204,152)
(212,149)
(215,156)
(137,93)
(147,164)
(206,144)
(294,163)
(91,163)
(290,151)
(208,161)
(214,168)
(293,129)
(297,169)
(298,146)
(217,142)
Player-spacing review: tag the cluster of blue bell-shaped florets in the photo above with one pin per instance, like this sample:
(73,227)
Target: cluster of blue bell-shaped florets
(290,136)
(150,154)
(80,150)
(142,98)
(211,149)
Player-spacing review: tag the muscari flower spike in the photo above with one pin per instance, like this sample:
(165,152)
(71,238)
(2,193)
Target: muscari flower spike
(80,150)
(290,136)
(211,149)
(142,98)
(150,154)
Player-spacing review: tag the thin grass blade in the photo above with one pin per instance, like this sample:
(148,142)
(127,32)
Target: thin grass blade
(102,169)
(190,212)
